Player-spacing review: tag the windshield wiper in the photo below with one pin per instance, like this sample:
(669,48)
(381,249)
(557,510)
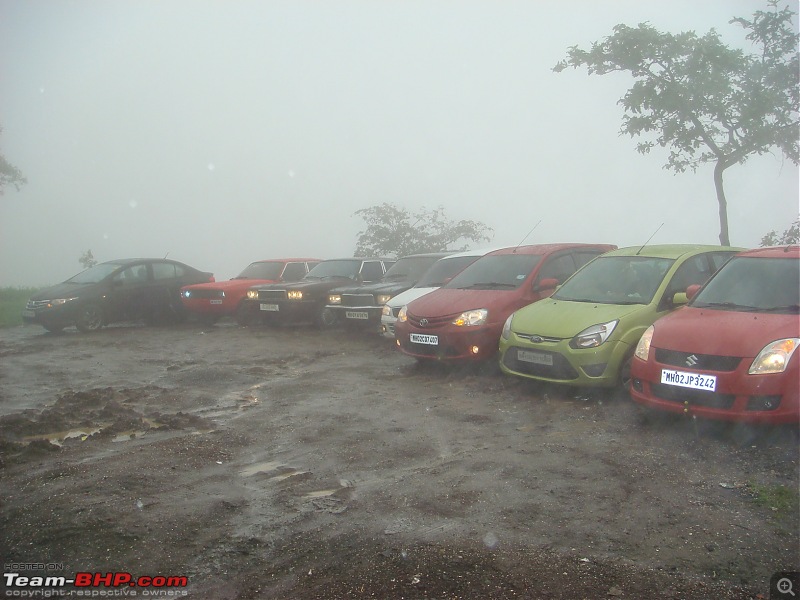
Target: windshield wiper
(488,285)
(726,306)
(789,308)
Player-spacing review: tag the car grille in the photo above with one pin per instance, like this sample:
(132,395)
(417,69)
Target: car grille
(34,304)
(537,339)
(560,369)
(274,295)
(430,322)
(358,300)
(206,294)
(692,397)
(701,362)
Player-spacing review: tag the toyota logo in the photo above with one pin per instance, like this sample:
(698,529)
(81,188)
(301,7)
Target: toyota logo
(691,360)
(423,322)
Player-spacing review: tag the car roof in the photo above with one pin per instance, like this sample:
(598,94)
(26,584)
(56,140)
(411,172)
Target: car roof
(544,248)
(477,252)
(792,251)
(670,250)
(426,255)
(282,260)
(361,258)
(127,261)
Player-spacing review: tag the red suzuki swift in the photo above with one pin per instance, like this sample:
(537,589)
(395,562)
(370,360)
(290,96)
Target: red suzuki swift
(730,354)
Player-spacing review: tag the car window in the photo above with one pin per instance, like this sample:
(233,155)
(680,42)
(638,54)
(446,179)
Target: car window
(557,267)
(132,275)
(166,271)
(294,271)
(335,268)
(261,270)
(584,256)
(443,269)
(694,271)
(372,270)
(499,271)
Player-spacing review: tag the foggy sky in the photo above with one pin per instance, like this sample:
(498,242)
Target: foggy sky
(219,133)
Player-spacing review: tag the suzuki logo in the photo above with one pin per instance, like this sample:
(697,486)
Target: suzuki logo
(423,322)
(692,360)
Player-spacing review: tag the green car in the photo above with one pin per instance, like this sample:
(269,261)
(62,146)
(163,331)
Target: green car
(586,332)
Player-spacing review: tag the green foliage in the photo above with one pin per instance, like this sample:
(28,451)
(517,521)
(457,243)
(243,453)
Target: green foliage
(87,259)
(394,231)
(790,236)
(700,99)
(780,498)
(12,301)
(10,175)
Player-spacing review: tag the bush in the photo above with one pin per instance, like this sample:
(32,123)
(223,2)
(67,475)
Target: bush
(12,301)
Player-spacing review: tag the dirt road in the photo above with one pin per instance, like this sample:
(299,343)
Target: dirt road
(294,463)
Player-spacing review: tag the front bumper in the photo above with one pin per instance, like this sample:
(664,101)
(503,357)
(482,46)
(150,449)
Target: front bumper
(769,399)
(454,344)
(557,362)
(357,315)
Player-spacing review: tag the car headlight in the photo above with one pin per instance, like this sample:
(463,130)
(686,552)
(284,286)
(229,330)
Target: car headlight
(332,299)
(643,347)
(294,295)
(186,293)
(506,333)
(593,336)
(471,318)
(382,299)
(252,294)
(60,301)
(386,311)
(774,357)
(402,316)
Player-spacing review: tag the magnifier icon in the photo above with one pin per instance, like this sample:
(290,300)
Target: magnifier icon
(784,586)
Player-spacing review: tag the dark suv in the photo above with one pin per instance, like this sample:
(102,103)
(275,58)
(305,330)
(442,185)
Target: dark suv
(305,300)
(361,305)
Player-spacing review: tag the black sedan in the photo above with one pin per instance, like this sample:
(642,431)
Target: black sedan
(129,289)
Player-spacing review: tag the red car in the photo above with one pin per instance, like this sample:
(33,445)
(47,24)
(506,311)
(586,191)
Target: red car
(462,320)
(730,354)
(212,301)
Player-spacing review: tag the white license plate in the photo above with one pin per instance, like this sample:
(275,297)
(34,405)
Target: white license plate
(270,307)
(216,302)
(689,380)
(419,338)
(356,314)
(539,358)
(28,313)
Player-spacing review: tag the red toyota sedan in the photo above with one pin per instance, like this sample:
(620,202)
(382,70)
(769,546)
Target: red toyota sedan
(730,354)
(462,320)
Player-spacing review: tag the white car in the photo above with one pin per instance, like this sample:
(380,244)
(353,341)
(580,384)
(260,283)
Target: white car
(440,273)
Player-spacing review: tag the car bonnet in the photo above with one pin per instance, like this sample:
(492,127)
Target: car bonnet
(565,318)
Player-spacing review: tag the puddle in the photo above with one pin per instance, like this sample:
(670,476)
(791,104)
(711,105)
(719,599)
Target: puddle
(321,493)
(262,467)
(59,437)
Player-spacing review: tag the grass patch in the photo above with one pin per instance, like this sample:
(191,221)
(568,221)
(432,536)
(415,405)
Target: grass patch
(780,498)
(12,301)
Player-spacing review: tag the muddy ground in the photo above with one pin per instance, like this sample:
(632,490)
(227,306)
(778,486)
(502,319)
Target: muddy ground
(296,463)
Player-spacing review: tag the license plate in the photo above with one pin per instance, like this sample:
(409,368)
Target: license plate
(539,358)
(270,307)
(419,338)
(356,314)
(216,302)
(689,380)
(28,313)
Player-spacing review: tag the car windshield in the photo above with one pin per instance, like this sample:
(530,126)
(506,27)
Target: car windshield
(616,280)
(335,268)
(409,269)
(94,274)
(754,284)
(496,272)
(444,269)
(261,270)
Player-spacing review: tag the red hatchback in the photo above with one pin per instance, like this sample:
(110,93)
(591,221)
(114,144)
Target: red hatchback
(462,320)
(212,301)
(730,354)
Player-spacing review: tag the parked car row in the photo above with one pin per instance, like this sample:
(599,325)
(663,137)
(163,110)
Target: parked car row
(588,315)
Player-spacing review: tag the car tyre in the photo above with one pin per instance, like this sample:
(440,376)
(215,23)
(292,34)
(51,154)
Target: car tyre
(90,318)
(326,318)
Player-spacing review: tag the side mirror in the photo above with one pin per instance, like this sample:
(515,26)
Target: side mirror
(679,298)
(692,290)
(551,283)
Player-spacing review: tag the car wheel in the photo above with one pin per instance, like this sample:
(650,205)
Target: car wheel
(326,318)
(625,373)
(245,315)
(90,318)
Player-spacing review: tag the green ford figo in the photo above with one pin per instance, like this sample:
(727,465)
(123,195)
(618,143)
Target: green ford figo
(586,332)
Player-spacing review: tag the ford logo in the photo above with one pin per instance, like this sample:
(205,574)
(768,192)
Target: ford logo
(423,322)
(537,339)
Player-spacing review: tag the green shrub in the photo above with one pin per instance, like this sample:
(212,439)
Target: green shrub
(12,301)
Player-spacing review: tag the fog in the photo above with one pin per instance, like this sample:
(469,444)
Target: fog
(219,133)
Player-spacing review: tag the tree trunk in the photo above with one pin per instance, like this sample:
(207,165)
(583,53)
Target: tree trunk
(724,238)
